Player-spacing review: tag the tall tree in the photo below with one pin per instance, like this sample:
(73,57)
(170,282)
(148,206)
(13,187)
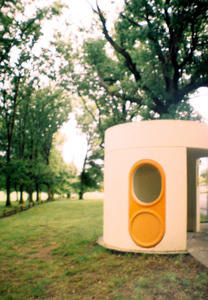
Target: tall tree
(18,37)
(91,176)
(159,54)
(50,109)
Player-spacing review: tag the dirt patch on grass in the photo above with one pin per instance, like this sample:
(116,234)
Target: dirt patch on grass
(40,250)
(43,252)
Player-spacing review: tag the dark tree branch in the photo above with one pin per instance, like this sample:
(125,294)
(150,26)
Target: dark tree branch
(89,111)
(129,63)
(191,87)
(130,20)
(86,107)
(172,48)
(137,100)
(91,6)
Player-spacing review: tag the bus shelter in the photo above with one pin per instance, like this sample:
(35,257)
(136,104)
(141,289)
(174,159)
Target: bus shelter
(151,195)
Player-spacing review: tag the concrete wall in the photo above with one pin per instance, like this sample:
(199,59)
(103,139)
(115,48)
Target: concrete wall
(166,143)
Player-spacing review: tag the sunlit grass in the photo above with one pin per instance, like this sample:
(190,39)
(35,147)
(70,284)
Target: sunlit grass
(50,252)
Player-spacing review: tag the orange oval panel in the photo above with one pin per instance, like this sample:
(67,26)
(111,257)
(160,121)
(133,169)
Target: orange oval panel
(146,203)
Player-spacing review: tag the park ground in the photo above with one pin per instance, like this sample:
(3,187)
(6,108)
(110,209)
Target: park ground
(50,252)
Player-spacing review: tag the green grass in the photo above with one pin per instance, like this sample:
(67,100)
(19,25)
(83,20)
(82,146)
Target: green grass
(50,252)
(203,219)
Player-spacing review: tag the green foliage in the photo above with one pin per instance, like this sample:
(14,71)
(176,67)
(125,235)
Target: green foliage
(62,177)
(203,179)
(29,115)
(91,176)
(157,58)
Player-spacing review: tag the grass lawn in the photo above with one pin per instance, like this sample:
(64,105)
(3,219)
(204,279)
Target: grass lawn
(203,219)
(50,252)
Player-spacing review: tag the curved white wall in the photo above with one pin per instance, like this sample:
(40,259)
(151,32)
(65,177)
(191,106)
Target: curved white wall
(165,142)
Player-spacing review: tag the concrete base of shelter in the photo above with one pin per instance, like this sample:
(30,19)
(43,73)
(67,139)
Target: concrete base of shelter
(146,250)
(197,244)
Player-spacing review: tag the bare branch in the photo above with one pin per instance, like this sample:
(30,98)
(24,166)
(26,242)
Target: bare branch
(91,6)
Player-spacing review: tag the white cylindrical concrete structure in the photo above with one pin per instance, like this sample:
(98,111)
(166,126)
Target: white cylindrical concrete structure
(132,151)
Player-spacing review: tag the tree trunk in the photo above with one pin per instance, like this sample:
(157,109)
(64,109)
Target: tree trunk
(10,132)
(30,195)
(8,176)
(49,192)
(37,193)
(17,197)
(21,193)
(8,187)
(81,195)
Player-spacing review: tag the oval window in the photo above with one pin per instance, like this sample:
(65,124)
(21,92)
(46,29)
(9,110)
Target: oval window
(147,183)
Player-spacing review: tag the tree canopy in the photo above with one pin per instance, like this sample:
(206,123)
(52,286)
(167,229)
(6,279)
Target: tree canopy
(158,55)
(145,66)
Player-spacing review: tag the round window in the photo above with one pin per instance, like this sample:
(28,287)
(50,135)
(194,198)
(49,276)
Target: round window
(147,183)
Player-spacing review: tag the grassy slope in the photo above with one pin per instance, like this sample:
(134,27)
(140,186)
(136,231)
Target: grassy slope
(50,252)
